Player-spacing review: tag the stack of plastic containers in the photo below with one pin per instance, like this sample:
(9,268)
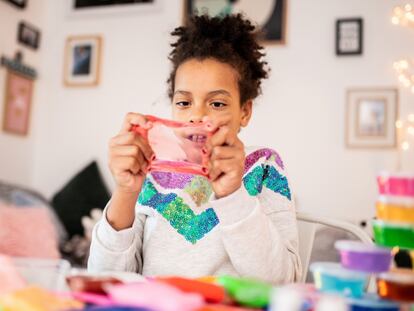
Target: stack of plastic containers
(393,230)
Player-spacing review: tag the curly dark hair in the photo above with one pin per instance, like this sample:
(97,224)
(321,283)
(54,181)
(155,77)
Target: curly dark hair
(230,39)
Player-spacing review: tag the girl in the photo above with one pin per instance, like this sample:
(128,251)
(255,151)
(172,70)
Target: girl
(240,222)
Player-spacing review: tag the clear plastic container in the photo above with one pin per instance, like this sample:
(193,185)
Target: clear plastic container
(363,257)
(372,302)
(333,278)
(46,273)
(391,234)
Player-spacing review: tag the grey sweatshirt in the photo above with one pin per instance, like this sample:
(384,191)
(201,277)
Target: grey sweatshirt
(181,229)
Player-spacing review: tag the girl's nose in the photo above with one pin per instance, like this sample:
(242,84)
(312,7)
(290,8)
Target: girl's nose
(197,115)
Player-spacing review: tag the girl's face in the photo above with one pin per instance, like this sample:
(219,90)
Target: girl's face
(209,88)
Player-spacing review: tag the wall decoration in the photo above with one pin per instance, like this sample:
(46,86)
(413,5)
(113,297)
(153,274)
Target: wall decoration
(17,66)
(17,102)
(28,35)
(270,15)
(79,8)
(371,116)
(82,61)
(21,4)
(349,36)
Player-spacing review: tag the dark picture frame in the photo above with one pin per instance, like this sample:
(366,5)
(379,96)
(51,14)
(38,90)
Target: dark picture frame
(21,4)
(28,35)
(271,31)
(82,4)
(349,36)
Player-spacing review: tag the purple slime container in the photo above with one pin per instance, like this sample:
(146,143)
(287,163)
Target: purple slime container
(363,257)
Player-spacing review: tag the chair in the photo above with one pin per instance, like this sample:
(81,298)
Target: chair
(309,223)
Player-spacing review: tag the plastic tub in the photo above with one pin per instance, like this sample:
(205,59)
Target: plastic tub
(400,184)
(363,257)
(372,302)
(396,285)
(46,273)
(395,209)
(331,277)
(391,234)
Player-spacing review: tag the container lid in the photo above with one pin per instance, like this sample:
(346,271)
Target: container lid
(386,174)
(403,276)
(403,201)
(360,247)
(372,301)
(336,269)
(393,224)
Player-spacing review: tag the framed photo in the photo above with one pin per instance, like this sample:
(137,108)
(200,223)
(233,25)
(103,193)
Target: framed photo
(18,3)
(79,8)
(349,36)
(82,61)
(28,35)
(17,102)
(370,118)
(269,15)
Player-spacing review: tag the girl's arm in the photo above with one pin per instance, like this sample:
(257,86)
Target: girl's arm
(258,224)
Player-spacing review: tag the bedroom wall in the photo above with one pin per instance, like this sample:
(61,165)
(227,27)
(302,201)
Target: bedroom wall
(16,152)
(301,113)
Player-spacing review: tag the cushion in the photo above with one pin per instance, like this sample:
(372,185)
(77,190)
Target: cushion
(84,192)
(27,232)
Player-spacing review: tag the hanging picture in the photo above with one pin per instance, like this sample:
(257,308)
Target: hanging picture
(82,61)
(79,8)
(371,116)
(269,15)
(349,36)
(17,102)
(28,35)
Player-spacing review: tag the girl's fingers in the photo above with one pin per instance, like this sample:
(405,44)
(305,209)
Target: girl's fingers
(129,151)
(226,166)
(226,152)
(130,138)
(132,119)
(122,164)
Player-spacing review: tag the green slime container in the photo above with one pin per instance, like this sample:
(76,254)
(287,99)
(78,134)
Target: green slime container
(392,234)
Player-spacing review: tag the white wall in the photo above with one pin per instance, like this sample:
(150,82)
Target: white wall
(16,152)
(301,113)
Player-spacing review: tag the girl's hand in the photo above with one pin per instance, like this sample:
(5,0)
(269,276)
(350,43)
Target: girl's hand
(226,162)
(129,156)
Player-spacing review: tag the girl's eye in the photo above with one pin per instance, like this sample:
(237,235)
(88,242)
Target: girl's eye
(218,104)
(183,104)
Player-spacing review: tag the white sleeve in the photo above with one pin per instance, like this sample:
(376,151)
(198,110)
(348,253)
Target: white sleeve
(259,232)
(116,250)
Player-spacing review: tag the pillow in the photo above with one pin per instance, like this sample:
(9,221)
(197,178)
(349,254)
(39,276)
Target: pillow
(84,192)
(27,232)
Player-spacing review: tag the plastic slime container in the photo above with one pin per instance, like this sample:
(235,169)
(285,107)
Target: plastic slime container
(391,234)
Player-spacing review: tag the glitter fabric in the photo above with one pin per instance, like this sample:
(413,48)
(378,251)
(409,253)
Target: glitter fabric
(169,180)
(270,154)
(268,176)
(181,217)
(199,189)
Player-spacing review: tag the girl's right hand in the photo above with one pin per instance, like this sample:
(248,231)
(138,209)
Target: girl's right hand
(129,156)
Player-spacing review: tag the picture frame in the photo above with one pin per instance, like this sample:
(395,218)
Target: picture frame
(370,118)
(82,61)
(28,35)
(17,103)
(269,16)
(91,8)
(21,4)
(349,36)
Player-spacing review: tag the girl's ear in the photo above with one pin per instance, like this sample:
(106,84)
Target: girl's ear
(246,113)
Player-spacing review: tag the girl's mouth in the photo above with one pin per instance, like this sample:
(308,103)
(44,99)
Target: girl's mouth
(197,138)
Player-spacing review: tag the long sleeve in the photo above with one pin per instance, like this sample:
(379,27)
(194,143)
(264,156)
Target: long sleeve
(117,250)
(258,224)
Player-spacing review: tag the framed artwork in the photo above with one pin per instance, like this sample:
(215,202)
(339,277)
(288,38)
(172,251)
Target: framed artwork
(349,36)
(79,8)
(370,118)
(17,102)
(28,35)
(82,61)
(269,15)
(18,3)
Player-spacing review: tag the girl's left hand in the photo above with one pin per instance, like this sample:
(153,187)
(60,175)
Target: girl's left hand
(226,162)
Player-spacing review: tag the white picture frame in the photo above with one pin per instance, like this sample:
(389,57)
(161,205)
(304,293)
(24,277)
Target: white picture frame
(370,118)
